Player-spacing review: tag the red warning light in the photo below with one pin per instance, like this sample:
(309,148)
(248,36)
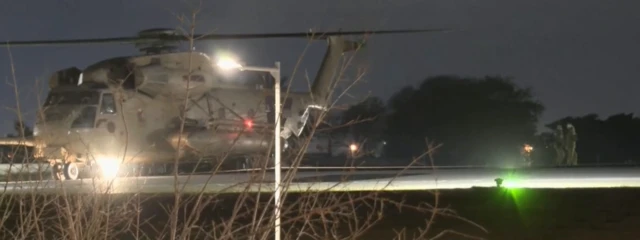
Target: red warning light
(248,123)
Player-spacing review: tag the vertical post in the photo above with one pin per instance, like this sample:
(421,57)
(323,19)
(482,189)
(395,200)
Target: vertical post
(277,156)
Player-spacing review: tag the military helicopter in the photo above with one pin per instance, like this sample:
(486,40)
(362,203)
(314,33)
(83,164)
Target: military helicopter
(151,107)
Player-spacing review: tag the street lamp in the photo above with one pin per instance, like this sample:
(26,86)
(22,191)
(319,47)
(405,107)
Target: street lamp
(275,72)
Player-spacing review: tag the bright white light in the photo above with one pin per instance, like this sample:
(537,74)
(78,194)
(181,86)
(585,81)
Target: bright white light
(80,79)
(353,147)
(528,148)
(109,167)
(227,63)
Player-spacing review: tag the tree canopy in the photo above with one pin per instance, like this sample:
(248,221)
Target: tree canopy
(365,120)
(20,128)
(478,120)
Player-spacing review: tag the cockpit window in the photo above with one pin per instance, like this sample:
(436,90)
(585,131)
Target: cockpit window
(73,97)
(108,104)
(86,118)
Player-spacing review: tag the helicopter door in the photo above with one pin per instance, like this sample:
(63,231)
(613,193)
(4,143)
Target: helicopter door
(107,124)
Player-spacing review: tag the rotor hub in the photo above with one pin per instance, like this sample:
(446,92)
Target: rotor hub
(157,41)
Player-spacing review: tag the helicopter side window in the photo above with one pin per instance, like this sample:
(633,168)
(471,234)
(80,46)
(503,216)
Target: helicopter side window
(108,104)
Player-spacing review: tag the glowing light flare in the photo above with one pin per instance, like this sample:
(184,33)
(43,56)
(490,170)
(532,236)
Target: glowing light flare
(109,167)
(228,63)
(528,148)
(353,147)
(248,123)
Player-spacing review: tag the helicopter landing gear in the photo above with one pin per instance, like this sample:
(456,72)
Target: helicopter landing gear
(250,163)
(66,171)
(243,163)
(260,162)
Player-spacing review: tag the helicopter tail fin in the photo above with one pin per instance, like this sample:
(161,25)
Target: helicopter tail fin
(321,87)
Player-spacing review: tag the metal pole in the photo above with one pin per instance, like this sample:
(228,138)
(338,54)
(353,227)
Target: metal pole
(277,156)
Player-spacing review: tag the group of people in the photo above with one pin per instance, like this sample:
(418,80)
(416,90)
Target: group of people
(565,145)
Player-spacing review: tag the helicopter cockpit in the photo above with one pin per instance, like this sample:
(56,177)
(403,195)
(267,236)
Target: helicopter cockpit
(77,108)
(74,113)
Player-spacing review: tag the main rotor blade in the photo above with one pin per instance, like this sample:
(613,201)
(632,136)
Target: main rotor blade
(200,37)
(315,35)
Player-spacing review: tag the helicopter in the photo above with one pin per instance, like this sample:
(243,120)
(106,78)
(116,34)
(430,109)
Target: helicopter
(165,103)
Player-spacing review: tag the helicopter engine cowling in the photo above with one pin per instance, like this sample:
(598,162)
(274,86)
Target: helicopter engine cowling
(158,80)
(152,79)
(173,74)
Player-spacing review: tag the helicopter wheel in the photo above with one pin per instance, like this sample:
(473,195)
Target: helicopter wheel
(67,171)
(71,171)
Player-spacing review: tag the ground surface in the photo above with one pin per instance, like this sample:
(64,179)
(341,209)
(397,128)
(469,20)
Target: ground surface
(545,214)
(506,214)
(349,180)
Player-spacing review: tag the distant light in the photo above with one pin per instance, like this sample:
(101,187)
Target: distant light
(248,123)
(353,147)
(227,63)
(528,148)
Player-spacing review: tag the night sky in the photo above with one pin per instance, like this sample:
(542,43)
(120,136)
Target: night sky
(580,56)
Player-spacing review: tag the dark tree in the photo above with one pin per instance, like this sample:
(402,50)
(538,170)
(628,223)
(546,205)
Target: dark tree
(365,120)
(21,128)
(478,120)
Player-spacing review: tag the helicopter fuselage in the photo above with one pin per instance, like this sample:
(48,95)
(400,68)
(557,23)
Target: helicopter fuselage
(83,123)
(158,108)
(143,108)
